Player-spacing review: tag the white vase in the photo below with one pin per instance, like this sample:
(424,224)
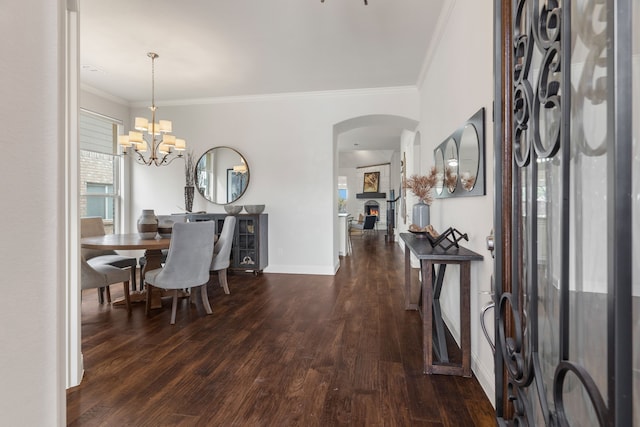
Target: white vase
(148,224)
(420,215)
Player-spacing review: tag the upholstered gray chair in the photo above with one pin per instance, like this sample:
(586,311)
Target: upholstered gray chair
(143,260)
(222,251)
(93,226)
(187,264)
(98,275)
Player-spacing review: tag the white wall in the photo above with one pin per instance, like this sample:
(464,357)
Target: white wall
(288,142)
(459,81)
(33,245)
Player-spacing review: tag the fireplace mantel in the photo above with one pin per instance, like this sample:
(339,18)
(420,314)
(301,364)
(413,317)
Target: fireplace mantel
(371,195)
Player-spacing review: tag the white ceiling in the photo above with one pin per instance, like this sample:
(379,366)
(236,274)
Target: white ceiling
(223,48)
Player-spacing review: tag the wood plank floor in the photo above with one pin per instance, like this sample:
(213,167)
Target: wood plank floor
(281,350)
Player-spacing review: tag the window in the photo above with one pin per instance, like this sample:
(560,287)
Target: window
(99,169)
(342,194)
(97,203)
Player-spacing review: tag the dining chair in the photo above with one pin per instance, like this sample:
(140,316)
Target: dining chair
(98,275)
(93,226)
(187,264)
(367,226)
(143,260)
(222,252)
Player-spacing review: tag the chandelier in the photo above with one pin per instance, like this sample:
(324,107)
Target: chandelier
(160,149)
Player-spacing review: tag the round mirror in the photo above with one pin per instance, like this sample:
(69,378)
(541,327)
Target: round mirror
(222,175)
(439,171)
(469,157)
(451,165)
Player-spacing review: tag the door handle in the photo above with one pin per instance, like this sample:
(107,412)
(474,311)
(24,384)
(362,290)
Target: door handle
(488,306)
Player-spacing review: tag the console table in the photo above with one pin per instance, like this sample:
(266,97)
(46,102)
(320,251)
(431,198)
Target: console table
(433,334)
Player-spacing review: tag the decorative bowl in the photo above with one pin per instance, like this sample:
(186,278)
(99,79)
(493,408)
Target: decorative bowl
(165,233)
(233,209)
(254,209)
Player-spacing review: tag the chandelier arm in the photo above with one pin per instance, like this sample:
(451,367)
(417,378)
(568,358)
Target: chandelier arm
(141,160)
(164,161)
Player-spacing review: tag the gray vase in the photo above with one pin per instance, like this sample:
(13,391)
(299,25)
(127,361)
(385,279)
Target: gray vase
(420,215)
(148,224)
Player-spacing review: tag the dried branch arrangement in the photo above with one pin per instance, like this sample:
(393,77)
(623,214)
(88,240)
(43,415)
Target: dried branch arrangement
(422,185)
(450,179)
(189,169)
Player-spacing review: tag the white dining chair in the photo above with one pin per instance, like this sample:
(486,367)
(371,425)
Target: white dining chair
(187,264)
(94,226)
(98,275)
(222,252)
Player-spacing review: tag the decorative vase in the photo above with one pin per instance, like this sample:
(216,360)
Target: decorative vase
(188,197)
(148,224)
(420,214)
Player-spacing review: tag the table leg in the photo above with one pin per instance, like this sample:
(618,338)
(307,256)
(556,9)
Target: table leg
(465,317)
(407,281)
(154,260)
(427,317)
(440,340)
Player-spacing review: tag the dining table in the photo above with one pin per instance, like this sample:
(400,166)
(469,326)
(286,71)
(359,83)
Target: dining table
(132,241)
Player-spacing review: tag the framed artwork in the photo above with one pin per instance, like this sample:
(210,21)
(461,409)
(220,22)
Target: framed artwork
(236,182)
(371,182)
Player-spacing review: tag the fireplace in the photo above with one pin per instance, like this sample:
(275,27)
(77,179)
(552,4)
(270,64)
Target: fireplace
(371,207)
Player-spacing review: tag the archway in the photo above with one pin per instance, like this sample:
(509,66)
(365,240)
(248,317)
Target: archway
(364,141)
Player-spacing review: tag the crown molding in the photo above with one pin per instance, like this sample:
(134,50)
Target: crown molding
(103,94)
(283,96)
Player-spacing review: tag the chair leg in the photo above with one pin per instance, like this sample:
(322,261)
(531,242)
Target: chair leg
(133,277)
(127,297)
(205,299)
(107,291)
(222,277)
(147,306)
(174,306)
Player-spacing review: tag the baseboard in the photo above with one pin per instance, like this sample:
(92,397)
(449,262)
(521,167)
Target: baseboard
(485,378)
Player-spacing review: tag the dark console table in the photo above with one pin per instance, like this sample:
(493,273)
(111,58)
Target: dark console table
(433,334)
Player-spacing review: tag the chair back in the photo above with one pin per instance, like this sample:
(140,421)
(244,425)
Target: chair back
(222,250)
(369,222)
(92,226)
(189,256)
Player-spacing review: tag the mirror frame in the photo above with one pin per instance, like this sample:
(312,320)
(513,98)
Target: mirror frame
(477,121)
(197,178)
(439,159)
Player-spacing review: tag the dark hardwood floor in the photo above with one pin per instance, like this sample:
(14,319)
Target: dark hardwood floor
(281,350)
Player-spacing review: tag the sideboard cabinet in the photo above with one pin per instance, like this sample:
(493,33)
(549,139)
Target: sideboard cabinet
(249,251)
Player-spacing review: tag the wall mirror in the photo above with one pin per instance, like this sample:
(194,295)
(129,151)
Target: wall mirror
(222,175)
(469,150)
(462,157)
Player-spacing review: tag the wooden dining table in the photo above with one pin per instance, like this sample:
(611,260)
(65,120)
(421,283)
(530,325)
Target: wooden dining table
(152,252)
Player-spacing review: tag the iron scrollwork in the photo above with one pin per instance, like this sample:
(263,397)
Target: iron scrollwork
(537,132)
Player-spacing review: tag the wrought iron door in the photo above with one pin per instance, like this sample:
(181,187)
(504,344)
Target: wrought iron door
(566,351)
